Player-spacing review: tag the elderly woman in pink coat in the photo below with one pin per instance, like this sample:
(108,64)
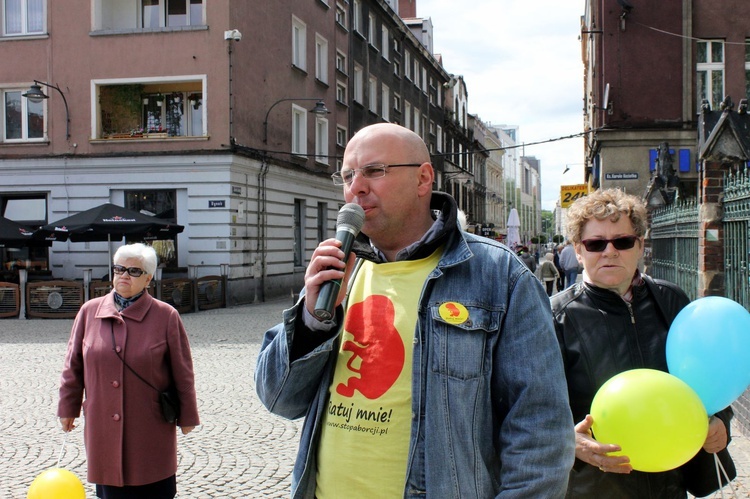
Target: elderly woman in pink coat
(131,449)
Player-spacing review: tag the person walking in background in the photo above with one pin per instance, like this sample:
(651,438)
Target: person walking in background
(548,273)
(561,272)
(569,264)
(615,320)
(527,258)
(131,450)
(422,383)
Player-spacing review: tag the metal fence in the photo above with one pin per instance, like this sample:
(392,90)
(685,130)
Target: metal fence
(674,245)
(736,220)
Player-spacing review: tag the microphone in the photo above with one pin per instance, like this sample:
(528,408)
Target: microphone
(348,224)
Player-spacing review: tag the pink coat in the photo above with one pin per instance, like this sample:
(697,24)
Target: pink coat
(127,440)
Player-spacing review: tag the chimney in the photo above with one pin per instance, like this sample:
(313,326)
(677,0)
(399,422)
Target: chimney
(407,8)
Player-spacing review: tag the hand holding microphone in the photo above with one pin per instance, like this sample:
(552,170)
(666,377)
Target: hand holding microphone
(348,224)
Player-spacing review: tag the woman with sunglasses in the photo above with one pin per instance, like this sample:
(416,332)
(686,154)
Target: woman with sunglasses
(614,320)
(131,449)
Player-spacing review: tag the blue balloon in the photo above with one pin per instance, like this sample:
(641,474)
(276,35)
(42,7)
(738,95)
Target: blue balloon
(708,347)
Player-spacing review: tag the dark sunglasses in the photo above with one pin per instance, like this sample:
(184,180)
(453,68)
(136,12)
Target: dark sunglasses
(599,245)
(133,271)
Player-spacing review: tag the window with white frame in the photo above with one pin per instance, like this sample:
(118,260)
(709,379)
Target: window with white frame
(342,136)
(407,115)
(396,46)
(417,129)
(321,58)
(424,79)
(170,13)
(23,120)
(341,92)
(385,102)
(357,14)
(299,37)
(415,72)
(385,37)
(396,68)
(359,84)
(372,36)
(321,140)
(407,64)
(710,72)
(439,135)
(24,17)
(372,93)
(341,14)
(299,130)
(396,102)
(341,62)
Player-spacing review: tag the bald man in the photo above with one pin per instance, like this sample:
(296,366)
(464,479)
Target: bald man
(439,374)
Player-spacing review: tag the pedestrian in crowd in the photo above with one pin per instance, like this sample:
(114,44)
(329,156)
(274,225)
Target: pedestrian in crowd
(561,272)
(615,320)
(527,258)
(439,374)
(131,449)
(569,263)
(548,273)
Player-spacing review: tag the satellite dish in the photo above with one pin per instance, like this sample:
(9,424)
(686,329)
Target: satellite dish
(605,101)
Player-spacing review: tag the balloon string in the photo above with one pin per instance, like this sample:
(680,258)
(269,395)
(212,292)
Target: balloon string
(62,449)
(719,474)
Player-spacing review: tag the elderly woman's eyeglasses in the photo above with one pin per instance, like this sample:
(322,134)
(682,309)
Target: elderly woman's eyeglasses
(132,271)
(378,170)
(599,245)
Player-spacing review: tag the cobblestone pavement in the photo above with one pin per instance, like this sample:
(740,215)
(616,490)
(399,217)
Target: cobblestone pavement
(240,450)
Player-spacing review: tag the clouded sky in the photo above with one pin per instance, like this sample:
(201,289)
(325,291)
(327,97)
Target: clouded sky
(522,65)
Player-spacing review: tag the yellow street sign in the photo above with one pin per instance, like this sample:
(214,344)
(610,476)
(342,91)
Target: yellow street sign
(569,193)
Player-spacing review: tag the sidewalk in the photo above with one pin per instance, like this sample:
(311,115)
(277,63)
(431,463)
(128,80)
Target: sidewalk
(239,451)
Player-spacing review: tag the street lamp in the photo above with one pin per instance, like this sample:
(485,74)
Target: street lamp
(35,94)
(320,108)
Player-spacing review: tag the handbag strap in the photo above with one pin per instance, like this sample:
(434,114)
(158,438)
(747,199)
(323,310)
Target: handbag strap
(114,349)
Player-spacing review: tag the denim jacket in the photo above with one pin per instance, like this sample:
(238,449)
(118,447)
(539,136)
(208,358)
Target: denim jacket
(490,412)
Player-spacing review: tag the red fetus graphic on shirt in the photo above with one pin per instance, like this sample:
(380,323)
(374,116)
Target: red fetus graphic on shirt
(377,349)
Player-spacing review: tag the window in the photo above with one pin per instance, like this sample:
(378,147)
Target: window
(158,109)
(24,17)
(299,36)
(23,120)
(357,14)
(424,80)
(341,14)
(171,13)
(439,134)
(321,140)
(407,115)
(385,102)
(341,62)
(397,102)
(385,36)
(322,221)
(359,83)
(29,210)
(407,64)
(299,130)
(397,68)
(416,121)
(341,136)
(372,93)
(160,204)
(341,92)
(321,58)
(298,231)
(710,72)
(415,72)
(372,36)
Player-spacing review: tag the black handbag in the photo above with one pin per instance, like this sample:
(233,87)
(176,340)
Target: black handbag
(701,474)
(169,399)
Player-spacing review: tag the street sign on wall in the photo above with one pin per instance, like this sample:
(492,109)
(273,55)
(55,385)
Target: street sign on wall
(569,193)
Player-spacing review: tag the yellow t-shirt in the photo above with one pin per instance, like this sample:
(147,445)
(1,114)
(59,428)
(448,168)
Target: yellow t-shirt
(365,432)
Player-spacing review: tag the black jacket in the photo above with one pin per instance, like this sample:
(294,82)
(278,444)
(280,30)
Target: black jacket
(602,335)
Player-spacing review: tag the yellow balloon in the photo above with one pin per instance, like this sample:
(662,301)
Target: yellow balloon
(56,483)
(658,421)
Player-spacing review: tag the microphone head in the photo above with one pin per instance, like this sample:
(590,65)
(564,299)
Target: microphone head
(351,215)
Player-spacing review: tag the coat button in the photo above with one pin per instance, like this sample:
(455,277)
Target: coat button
(117,349)
(116,384)
(116,417)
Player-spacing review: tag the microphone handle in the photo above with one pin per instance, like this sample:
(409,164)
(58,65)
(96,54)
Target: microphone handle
(329,291)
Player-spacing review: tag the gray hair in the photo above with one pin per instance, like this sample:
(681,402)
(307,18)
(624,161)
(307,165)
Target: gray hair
(607,204)
(139,251)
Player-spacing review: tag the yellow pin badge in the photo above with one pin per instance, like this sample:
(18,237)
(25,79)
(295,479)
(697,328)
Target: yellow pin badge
(453,312)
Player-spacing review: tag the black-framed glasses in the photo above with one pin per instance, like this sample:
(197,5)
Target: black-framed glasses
(376,170)
(132,271)
(599,245)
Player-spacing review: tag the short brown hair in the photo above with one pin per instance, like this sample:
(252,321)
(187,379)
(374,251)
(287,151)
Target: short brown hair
(606,204)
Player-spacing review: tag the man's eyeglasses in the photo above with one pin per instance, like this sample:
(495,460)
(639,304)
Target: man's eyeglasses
(132,271)
(378,170)
(599,245)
